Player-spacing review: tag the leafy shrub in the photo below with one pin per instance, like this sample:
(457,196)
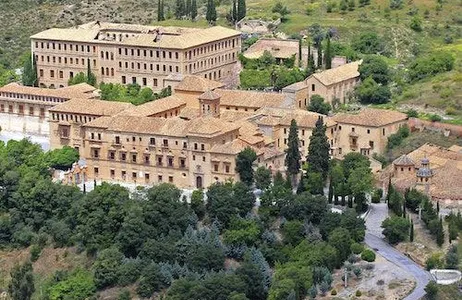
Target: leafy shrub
(432,290)
(357,248)
(429,65)
(412,113)
(377,196)
(435,118)
(368,255)
(333,292)
(35,251)
(124,295)
(358,293)
(78,285)
(434,262)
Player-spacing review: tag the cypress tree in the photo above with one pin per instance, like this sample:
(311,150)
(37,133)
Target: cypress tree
(292,160)
(319,150)
(319,66)
(241,9)
(188,8)
(389,192)
(328,55)
(29,75)
(440,233)
(411,233)
(300,60)
(404,208)
(193,10)
(160,10)
(331,192)
(211,14)
(437,207)
(91,78)
(234,11)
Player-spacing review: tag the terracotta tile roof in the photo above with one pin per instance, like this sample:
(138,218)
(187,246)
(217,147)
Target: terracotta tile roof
(194,83)
(91,107)
(232,115)
(189,113)
(252,139)
(144,36)
(278,48)
(233,148)
(339,74)
(270,116)
(295,87)
(403,160)
(210,126)
(81,90)
(371,117)
(155,107)
(209,95)
(446,166)
(455,148)
(249,99)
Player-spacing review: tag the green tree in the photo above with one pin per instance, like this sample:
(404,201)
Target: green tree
(241,9)
(234,11)
(341,240)
(368,43)
(244,165)
(432,290)
(193,10)
(251,275)
(106,267)
(416,23)
(211,14)
(396,203)
(328,54)
(281,9)
(21,286)
(440,233)
(431,64)
(160,11)
(292,159)
(263,178)
(62,159)
(133,232)
(197,203)
(91,78)
(318,105)
(150,281)
(320,56)
(376,67)
(79,78)
(370,92)
(411,232)
(319,150)
(395,229)
(29,73)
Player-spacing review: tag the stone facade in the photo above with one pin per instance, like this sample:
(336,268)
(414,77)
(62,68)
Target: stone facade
(124,53)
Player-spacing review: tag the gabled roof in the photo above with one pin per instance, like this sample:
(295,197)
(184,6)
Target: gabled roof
(249,99)
(154,107)
(192,83)
(209,95)
(81,90)
(339,74)
(371,117)
(91,107)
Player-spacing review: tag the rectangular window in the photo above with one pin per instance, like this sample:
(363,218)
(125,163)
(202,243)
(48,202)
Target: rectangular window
(152,141)
(159,178)
(96,171)
(155,81)
(170,179)
(124,80)
(227,168)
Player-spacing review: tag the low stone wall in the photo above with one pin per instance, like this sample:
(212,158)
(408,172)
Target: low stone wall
(24,124)
(443,128)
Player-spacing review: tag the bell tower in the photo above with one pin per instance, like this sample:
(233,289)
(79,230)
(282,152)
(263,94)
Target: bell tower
(424,175)
(209,103)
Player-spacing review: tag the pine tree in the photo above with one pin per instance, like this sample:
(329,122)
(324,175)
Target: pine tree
(319,66)
(440,233)
(241,9)
(328,55)
(29,74)
(293,157)
(411,233)
(193,10)
(319,150)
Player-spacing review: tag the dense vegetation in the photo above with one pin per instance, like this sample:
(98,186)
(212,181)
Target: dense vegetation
(156,241)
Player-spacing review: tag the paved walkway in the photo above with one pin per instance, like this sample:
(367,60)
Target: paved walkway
(374,239)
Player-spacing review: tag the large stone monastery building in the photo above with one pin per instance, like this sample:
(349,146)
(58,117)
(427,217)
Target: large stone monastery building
(125,53)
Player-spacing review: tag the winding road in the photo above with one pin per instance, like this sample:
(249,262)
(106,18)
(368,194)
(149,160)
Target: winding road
(374,239)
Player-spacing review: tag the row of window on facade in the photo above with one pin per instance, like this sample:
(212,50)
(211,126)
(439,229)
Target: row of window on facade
(31,97)
(152,141)
(210,62)
(211,48)
(65,47)
(158,68)
(21,110)
(65,60)
(70,117)
(134,175)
